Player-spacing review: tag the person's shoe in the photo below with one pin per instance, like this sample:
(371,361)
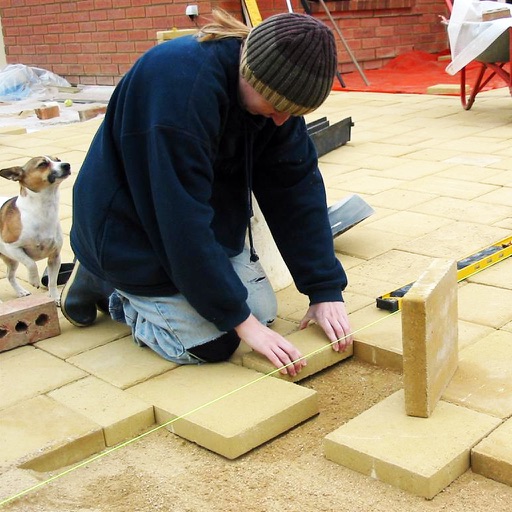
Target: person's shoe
(63,276)
(82,295)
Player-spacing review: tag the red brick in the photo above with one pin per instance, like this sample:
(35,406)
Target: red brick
(47,111)
(123,24)
(26,320)
(87,26)
(135,12)
(101,38)
(126,47)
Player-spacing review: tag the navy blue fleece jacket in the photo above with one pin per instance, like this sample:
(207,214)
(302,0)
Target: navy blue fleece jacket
(162,200)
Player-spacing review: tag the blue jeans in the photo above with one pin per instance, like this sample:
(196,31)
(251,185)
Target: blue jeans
(170,325)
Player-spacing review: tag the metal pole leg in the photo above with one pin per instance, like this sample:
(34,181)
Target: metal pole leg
(349,51)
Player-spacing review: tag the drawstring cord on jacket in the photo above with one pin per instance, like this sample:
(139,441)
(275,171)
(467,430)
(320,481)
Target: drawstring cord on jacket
(248,177)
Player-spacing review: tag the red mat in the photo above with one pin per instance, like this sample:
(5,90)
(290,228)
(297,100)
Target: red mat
(412,73)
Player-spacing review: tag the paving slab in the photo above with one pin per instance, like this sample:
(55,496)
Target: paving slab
(44,435)
(401,267)
(120,414)
(419,455)
(501,195)
(492,457)
(457,240)
(470,332)
(398,199)
(27,372)
(409,169)
(499,275)
(464,210)
(226,408)
(410,223)
(429,337)
(483,380)
(356,301)
(378,337)
(355,242)
(75,340)
(486,305)
(122,363)
(313,344)
(291,302)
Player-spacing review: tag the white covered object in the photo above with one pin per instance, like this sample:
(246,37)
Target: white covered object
(469,36)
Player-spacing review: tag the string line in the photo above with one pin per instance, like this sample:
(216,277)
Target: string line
(184,415)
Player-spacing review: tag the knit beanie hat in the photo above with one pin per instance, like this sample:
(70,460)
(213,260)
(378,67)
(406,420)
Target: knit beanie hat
(290,59)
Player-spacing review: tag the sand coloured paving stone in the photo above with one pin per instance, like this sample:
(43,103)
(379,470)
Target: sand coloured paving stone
(378,337)
(429,337)
(122,363)
(486,305)
(313,344)
(43,435)
(75,340)
(35,372)
(484,383)
(121,414)
(492,457)
(419,455)
(226,408)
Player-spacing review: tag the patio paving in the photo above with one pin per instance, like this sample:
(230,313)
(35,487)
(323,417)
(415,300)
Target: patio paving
(440,181)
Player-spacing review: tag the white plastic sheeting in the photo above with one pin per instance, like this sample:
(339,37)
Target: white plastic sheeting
(469,36)
(18,82)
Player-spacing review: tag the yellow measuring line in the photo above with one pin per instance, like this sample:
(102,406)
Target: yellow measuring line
(166,424)
(467,267)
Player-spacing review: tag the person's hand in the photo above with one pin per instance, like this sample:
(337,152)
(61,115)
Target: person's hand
(332,318)
(278,350)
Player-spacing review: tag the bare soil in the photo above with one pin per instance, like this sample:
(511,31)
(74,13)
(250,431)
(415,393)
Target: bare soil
(162,472)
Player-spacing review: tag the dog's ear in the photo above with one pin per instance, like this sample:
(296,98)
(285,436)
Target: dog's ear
(12,173)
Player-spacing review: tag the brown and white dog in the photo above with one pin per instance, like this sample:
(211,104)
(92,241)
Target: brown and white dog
(29,223)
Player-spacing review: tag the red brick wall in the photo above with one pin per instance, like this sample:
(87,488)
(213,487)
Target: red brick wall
(94,42)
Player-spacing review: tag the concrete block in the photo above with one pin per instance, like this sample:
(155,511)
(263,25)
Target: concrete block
(91,111)
(48,111)
(121,415)
(43,435)
(122,363)
(492,457)
(452,89)
(226,408)
(26,320)
(430,337)
(419,455)
(483,380)
(27,372)
(313,343)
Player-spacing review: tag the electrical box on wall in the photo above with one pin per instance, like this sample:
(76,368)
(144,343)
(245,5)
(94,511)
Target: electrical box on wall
(192,11)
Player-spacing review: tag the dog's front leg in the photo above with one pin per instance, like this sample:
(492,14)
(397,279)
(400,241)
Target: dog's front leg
(53,274)
(12,266)
(33,273)
(12,257)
